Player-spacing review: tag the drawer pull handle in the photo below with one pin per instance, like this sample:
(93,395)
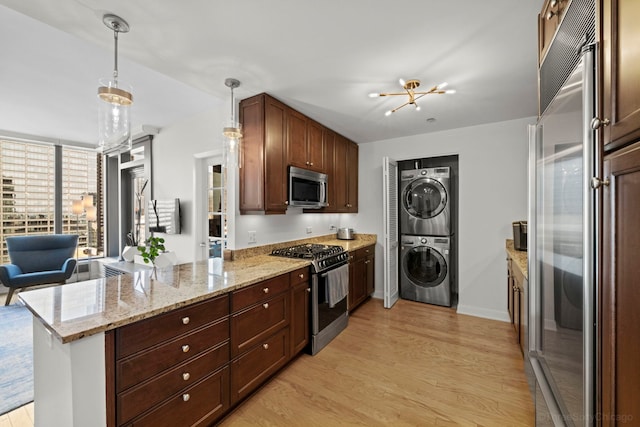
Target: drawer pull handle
(265,290)
(186,376)
(301,276)
(265,305)
(265,346)
(185,348)
(185,320)
(186,397)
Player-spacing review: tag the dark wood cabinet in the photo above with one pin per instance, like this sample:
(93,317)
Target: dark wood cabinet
(345,175)
(548,22)
(263,175)
(619,321)
(305,146)
(516,288)
(621,67)
(361,276)
(173,368)
(299,327)
(276,136)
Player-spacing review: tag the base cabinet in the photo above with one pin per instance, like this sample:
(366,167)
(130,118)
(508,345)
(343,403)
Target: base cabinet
(361,276)
(620,295)
(192,365)
(516,301)
(172,368)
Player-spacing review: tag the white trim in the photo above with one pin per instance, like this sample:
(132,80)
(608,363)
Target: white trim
(485,313)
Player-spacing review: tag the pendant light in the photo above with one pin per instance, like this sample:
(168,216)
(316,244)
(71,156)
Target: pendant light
(115,100)
(232,132)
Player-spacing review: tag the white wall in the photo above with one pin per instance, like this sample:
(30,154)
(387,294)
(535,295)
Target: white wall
(492,194)
(175,150)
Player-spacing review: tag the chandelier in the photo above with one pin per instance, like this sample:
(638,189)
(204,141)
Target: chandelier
(115,100)
(410,87)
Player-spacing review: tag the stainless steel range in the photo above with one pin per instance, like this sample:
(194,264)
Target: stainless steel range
(329,287)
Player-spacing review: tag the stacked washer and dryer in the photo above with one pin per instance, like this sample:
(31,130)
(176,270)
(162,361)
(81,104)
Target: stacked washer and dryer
(426,231)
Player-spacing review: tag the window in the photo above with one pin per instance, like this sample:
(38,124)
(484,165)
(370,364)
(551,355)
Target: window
(30,197)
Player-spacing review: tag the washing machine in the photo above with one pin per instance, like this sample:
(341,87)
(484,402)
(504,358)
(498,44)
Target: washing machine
(425,273)
(426,201)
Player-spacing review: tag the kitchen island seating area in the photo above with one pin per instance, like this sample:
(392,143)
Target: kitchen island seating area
(38,260)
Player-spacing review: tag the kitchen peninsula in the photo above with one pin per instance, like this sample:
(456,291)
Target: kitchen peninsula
(190,341)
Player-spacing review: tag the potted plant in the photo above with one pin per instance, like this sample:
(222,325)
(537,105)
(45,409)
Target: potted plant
(153,249)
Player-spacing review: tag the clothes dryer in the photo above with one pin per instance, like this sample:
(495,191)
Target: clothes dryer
(426,202)
(425,274)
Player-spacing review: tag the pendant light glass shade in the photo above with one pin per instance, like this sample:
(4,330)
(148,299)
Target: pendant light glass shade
(114,100)
(232,131)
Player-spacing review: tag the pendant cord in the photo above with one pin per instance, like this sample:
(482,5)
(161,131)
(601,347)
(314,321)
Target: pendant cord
(115,61)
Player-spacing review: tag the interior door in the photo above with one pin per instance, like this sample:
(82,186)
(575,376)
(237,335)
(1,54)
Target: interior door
(390,227)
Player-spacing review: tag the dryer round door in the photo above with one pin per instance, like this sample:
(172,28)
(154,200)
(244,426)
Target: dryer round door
(424,198)
(424,266)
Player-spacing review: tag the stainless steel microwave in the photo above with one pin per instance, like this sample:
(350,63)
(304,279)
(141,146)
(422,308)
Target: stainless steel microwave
(307,189)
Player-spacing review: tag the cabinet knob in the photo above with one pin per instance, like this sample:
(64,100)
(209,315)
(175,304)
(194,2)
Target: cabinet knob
(265,305)
(554,3)
(311,164)
(597,182)
(301,275)
(306,163)
(367,262)
(309,290)
(265,290)
(550,14)
(186,376)
(265,346)
(185,320)
(185,348)
(286,202)
(597,123)
(186,397)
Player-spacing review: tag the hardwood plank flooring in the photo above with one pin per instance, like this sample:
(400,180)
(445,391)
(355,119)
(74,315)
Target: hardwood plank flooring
(413,365)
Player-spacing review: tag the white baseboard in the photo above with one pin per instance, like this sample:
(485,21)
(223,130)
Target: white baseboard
(500,315)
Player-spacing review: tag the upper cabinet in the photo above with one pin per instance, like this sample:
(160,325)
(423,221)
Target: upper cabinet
(276,136)
(305,147)
(343,174)
(264,130)
(620,71)
(548,22)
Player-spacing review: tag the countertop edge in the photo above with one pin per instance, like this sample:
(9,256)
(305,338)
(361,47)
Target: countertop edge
(65,338)
(519,258)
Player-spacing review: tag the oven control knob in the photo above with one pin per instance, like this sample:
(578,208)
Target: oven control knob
(423,241)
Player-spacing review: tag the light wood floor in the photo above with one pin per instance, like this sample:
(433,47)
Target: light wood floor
(413,365)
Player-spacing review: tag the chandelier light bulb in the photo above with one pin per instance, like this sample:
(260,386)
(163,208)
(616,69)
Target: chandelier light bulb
(374,95)
(450,91)
(388,113)
(402,82)
(443,85)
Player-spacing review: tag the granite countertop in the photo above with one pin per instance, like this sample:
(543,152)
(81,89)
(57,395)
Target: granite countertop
(76,310)
(519,258)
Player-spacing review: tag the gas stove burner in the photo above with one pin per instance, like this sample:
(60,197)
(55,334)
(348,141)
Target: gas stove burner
(308,251)
(322,257)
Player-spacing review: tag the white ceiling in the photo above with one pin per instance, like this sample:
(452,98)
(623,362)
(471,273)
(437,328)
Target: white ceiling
(321,57)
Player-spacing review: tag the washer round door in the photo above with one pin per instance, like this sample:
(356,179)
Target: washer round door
(424,266)
(424,198)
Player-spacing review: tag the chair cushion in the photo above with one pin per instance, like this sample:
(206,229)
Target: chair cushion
(37,278)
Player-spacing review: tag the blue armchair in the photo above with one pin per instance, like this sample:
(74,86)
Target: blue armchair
(38,260)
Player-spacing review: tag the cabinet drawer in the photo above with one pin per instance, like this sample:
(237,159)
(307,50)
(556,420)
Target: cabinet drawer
(138,368)
(254,324)
(364,252)
(143,397)
(256,365)
(146,333)
(299,276)
(199,405)
(259,292)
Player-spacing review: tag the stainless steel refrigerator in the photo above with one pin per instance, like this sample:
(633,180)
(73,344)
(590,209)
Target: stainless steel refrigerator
(561,251)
